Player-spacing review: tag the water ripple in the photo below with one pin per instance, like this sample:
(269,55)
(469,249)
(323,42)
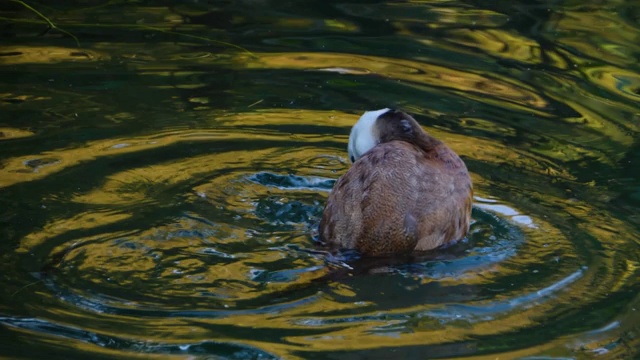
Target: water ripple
(161,189)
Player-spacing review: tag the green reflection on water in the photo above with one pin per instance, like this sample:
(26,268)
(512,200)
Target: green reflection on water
(160,187)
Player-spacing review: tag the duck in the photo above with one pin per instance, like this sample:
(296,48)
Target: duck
(405,192)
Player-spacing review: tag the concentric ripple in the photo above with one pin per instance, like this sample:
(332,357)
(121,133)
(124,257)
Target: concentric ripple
(225,240)
(160,195)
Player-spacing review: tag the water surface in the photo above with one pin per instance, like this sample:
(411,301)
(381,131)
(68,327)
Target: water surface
(161,180)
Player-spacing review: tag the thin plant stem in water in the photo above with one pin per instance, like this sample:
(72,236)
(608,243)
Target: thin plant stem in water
(26,286)
(54,26)
(256,103)
(49,22)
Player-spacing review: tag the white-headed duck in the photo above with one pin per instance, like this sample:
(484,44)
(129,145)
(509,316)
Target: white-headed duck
(406,190)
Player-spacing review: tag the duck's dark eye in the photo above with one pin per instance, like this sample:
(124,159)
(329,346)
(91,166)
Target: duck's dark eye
(353,159)
(406,126)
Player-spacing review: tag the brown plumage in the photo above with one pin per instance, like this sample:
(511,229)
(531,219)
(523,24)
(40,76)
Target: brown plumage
(406,190)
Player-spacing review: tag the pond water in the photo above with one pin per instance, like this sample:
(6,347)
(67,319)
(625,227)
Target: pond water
(163,167)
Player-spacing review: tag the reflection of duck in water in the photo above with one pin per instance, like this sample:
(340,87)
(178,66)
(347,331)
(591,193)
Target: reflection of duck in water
(405,191)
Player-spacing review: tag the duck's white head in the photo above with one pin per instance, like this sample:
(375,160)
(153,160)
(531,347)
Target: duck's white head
(363,136)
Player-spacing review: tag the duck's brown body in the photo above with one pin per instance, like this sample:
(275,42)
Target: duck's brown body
(409,192)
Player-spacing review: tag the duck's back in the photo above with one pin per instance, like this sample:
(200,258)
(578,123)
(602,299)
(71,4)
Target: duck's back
(396,199)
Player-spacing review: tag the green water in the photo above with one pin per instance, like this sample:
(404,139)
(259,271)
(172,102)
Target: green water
(161,180)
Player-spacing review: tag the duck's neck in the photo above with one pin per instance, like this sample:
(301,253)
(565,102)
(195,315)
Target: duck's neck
(425,142)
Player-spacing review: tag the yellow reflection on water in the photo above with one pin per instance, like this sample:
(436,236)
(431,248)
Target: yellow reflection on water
(268,116)
(17,170)
(143,184)
(618,81)
(13,133)
(499,43)
(602,33)
(16,55)
(417,72)
(57,227)
(28,167)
